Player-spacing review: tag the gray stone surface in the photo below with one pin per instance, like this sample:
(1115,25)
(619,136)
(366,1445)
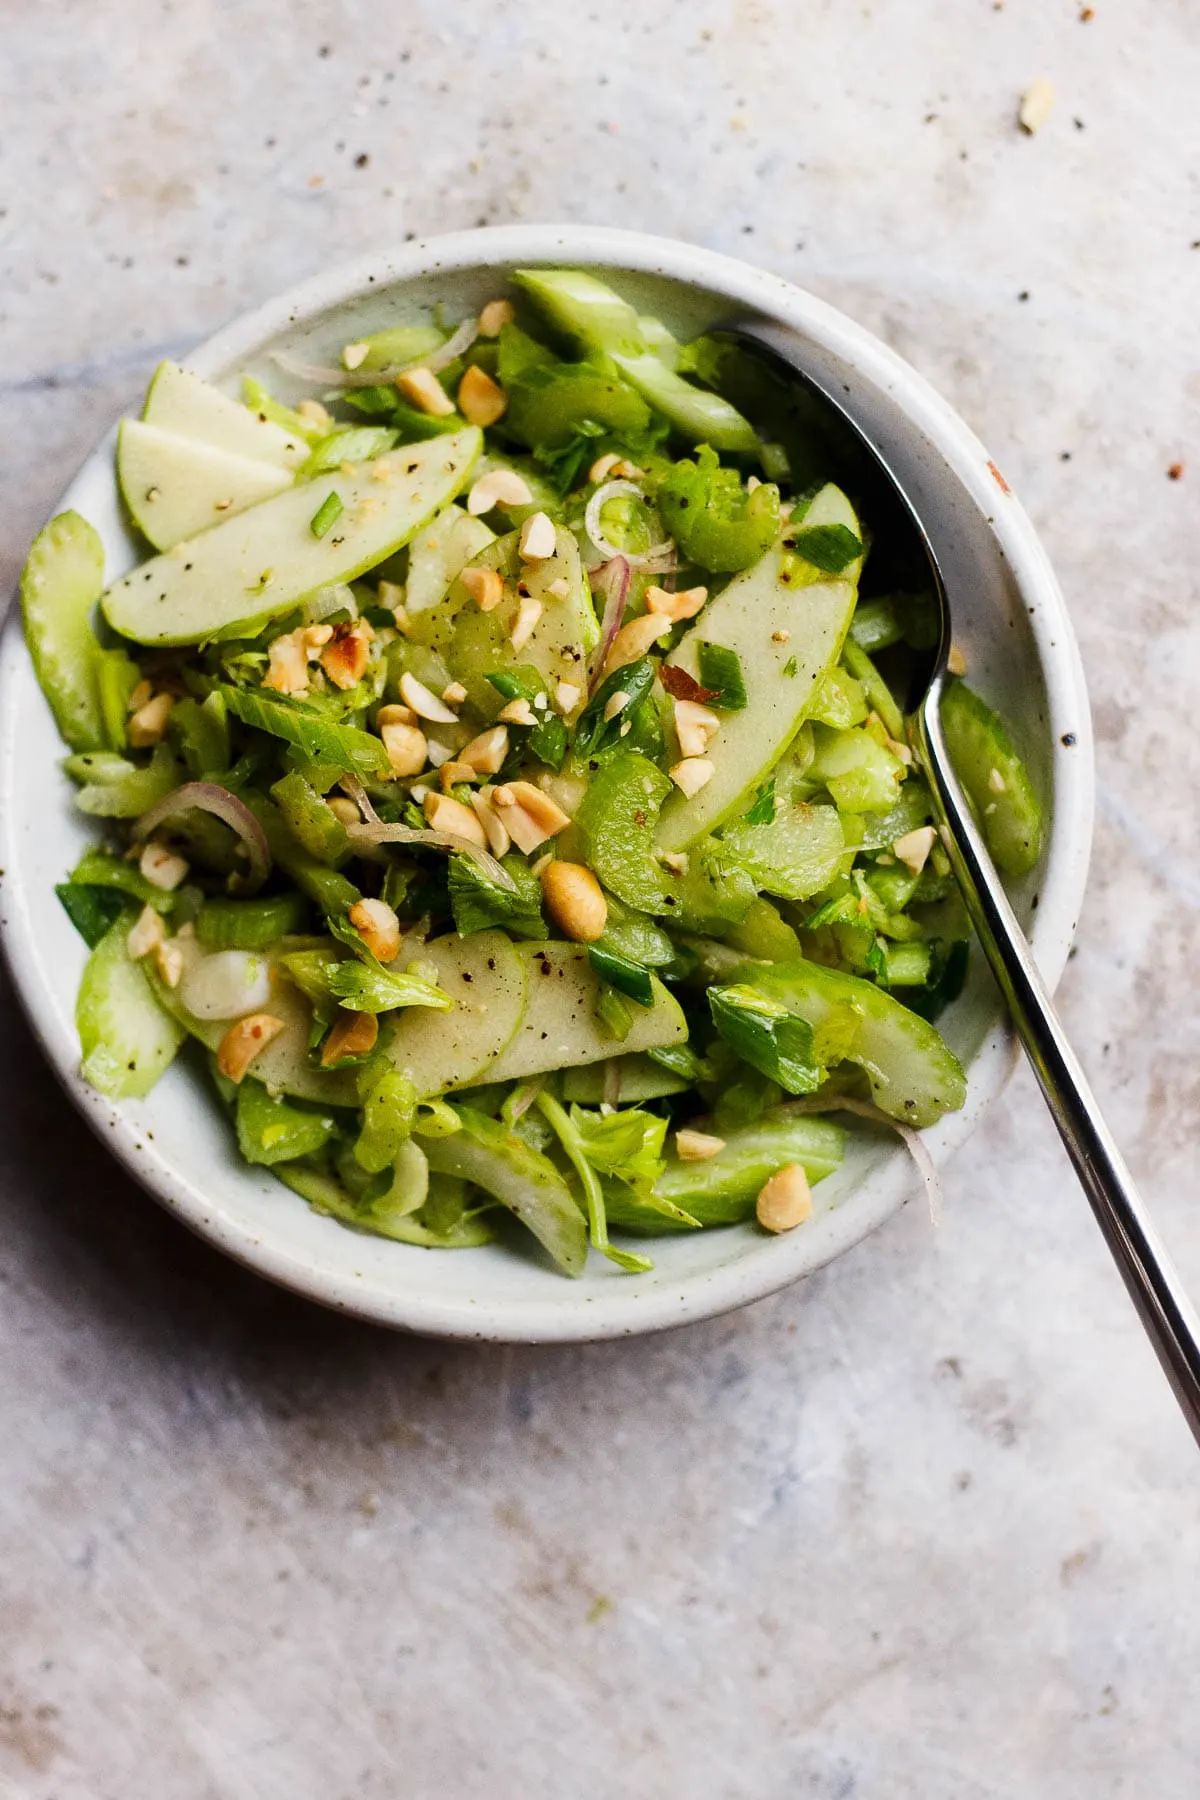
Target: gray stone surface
(923,1526)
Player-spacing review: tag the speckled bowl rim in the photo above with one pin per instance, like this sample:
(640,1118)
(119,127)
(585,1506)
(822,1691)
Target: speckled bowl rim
(626,1308)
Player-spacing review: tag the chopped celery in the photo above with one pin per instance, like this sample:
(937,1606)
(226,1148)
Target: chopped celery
(116,789)
(96,868)
(91,910)
(489,1156)
(545,402)
(271,1129)
(722,1189)
(248,924)
(617,820)
(311,822)
(60,585)
(116,677)
(860,774)
(716,522)
(796,855)
(996,780)
(126,1037)
(913,1073)
(388,1113)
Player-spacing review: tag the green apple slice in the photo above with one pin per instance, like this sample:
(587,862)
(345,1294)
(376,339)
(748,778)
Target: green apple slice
(60,585)
(560,1028)
(176,487)
(233,579)
(126,1038)
(786,635)
(181,402)
(486,979)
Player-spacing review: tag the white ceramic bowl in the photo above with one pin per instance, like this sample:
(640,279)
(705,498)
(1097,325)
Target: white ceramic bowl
(1009,616)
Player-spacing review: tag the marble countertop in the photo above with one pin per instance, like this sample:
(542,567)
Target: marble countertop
(920,1526)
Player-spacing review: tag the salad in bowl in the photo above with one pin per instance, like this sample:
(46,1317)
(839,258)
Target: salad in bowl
(500,780)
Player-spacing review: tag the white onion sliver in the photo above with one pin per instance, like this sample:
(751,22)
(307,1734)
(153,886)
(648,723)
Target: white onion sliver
(457,344)
(913,1140)
(612,490)
(210,797)
(329,375)
(380,833)
(227,985)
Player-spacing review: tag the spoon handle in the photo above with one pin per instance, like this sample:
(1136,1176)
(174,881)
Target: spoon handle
(1152,1281)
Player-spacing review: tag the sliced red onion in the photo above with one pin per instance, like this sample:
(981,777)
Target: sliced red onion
(610,490)
(524,1097)
(207,796)
(865,1109)
(379,833)
(329,375)
(612,578)
(354,790)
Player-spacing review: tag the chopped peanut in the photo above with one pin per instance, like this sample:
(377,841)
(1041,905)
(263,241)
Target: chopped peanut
(444,813)
(616,703)
(168,960)
(1037,103)
(353,355)
(147,725)
(559,588)
(378,927)
(481,401)
(161,867)
(485,586)
(537,542)
(530,817)
(694,725)
(353,1034)
(425,392)
(245,1038)
(517,712)
(574,900)
(495,316)
(528,614)
(344,809)
(454,693)
(956,662)
(495,830)
(407,749)
(501,487)
(785,1200)
(676,861)
(345,657)
(566,696)
(696,1146)
(684,605)
(692,774)
(633,640)
(316,415)
(603,465)
(452,772)
(138,698)
(145,934)
(914,847)
(486,753)
(395,713)
(425,703)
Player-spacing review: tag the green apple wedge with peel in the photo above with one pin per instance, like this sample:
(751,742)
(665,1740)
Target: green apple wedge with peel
(183,403)
(560,1028)
(60,585)
(786,635)
(176,487)
(486,978)
(235,578)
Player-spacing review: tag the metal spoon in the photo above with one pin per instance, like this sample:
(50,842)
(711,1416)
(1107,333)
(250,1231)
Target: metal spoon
(1153,1283)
